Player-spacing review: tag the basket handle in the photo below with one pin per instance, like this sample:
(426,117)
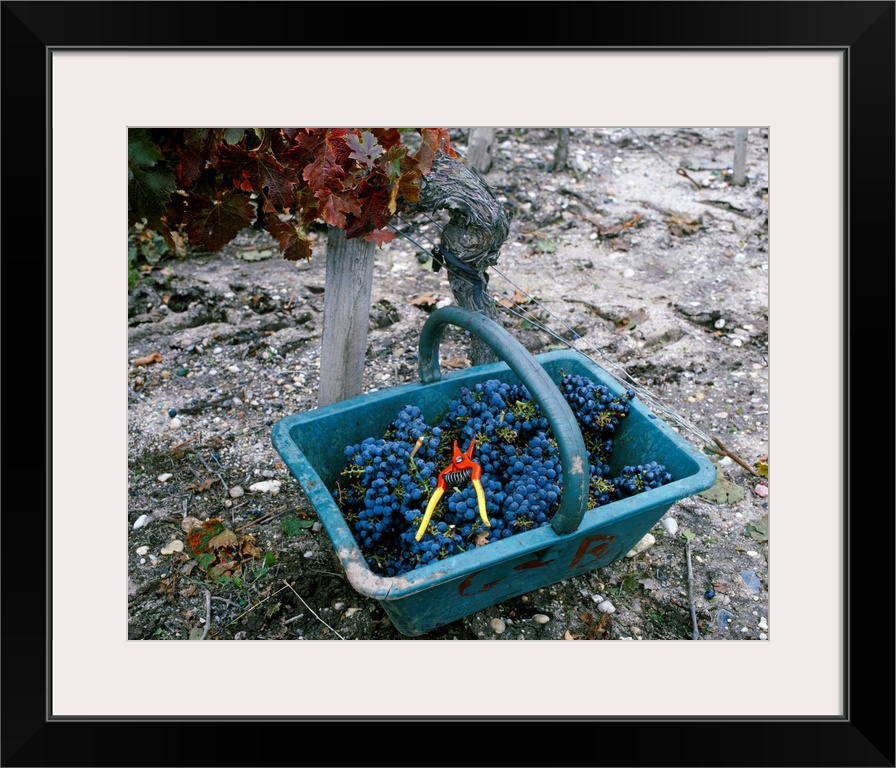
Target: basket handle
(573,455)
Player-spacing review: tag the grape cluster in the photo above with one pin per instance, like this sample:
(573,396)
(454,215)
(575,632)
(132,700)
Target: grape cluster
(386,484)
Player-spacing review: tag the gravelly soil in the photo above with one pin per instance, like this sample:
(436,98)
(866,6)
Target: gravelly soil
(664,279)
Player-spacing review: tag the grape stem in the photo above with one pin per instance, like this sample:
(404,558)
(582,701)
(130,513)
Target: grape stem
(721,450)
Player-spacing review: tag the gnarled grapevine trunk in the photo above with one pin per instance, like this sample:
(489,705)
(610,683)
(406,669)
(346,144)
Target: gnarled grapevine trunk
(477,229)
(470,242)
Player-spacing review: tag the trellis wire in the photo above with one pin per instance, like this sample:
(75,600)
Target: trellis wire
(625,379)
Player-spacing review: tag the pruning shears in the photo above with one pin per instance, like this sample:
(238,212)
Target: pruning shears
(461,469)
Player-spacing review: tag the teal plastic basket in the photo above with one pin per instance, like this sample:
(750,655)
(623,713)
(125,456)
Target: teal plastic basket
(578,540)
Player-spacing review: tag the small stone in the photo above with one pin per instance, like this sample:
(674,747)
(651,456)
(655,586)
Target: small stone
(761,490)
(236,492)
(763,636)
(175,423)
(646,542)
(171,547)
(720,323)
(540,618)
(172,412)
(190,523)
(670,525)
(266,486)
(164,476)
(141,521)
(497,626)
(142,550)
(763,623)
(606,607)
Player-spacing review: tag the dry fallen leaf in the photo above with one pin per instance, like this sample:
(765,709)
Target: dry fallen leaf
(682,225)
(204,485)
(226,538)
(154,357)
(425,302)
(455,363)
(570,636)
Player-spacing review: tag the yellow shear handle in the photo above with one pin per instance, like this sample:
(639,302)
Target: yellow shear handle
(433,500)
(480,497)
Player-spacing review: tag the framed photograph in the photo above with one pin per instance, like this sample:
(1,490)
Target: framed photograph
(818,76)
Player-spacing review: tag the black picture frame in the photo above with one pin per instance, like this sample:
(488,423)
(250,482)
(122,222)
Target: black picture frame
(864,736)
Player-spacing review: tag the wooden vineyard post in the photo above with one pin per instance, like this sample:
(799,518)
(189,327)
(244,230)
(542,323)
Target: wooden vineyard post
(740,157)
(479,148)
(561,152)
(349,280)
(477,229)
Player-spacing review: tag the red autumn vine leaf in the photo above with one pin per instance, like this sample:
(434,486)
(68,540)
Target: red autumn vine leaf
(325,172)
(193,147)
(373,215)
(380,237)
(334,206)
(292,245)
(212,223)
(197,182)
(259,172)
(388,138)
(432,141)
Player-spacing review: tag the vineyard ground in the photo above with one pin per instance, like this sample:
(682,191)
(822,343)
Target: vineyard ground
(665,279)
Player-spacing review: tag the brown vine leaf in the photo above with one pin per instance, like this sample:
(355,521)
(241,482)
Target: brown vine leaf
(292,245)
(210,224)
(373,213)
(335,205)
(262,173)
(380,237)
(432,140)
(326,171)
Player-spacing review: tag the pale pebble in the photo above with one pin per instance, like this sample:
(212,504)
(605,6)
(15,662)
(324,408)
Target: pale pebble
(236,492)
(761,490)
(142,550)
(646,542)
(175,423)
(606,607)
(141,521)
(266,486)
(540,618)
(171,547)
(164,477)
(670,525)
(497,626)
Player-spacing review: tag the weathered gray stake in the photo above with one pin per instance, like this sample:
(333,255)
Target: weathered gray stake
(349,281)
